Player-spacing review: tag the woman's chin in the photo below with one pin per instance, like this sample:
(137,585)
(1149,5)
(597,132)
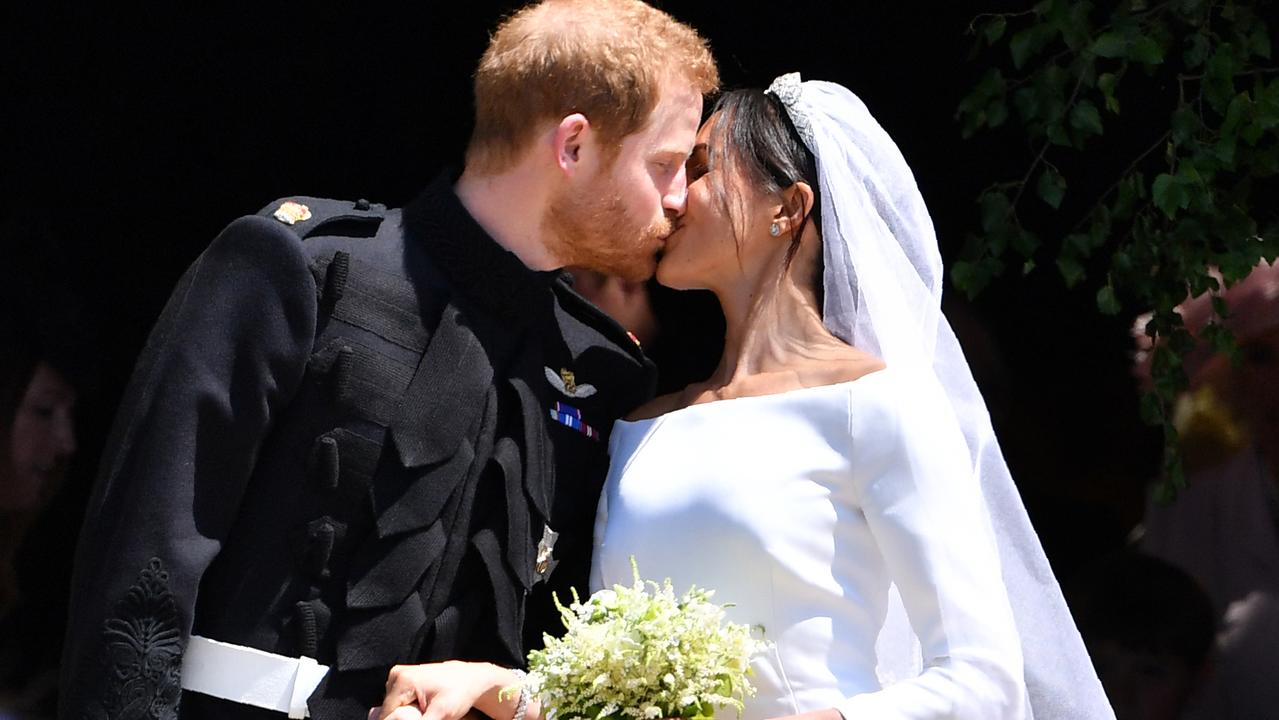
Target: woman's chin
(674,277)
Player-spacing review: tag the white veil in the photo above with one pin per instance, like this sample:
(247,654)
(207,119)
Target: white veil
(883,283)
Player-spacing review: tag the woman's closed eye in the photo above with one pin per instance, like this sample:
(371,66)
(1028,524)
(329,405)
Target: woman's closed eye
(698,163)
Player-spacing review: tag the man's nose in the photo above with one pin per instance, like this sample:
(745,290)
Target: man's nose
(676,198)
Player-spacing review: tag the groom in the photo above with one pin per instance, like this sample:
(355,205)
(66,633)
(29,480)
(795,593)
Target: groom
(359,437)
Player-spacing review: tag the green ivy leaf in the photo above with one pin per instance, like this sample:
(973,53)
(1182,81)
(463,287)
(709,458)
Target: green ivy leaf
(1235,113)
(1107,302)
(1072,271)
(1188,8)
(1056,134)
(1110,45)
(1184,124)
(1146,50)
(1218,81)
(1085,118)
(995,208)
(1196,52)
(995,29)
(1220,307)
(1079,244)
(1025,242)
(1051,187)
(996,113)
(1027,43)
(1259,41)
(1169,195)
(1107,83)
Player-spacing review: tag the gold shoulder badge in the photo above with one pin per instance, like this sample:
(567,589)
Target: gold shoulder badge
(291,213)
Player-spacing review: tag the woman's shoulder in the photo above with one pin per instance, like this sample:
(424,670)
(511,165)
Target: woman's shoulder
(660,405)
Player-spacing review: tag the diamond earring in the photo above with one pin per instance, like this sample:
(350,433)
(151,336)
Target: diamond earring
(774,229)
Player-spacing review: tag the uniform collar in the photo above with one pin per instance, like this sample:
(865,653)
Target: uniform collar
(479,269)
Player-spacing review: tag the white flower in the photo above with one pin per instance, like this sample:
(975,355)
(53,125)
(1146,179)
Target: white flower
(640,652)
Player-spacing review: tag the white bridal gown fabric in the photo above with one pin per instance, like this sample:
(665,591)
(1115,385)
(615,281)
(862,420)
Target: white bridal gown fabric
(802,508)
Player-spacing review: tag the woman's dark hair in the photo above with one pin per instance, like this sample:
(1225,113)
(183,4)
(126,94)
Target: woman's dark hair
(753,133)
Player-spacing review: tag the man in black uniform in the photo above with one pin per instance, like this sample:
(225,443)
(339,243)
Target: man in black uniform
(359,437)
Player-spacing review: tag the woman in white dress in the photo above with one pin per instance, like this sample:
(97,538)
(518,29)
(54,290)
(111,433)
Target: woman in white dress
(837,478)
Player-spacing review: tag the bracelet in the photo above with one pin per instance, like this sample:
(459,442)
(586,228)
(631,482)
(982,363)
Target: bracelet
(521,705)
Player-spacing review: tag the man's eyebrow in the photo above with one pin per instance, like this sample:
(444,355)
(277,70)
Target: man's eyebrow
(673,152)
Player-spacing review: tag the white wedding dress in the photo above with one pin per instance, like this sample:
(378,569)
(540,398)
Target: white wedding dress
(801,509)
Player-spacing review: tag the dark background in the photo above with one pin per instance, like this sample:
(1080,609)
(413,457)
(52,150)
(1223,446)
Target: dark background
(132,135)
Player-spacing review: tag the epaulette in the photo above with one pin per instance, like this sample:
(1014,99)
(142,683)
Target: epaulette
(311,216)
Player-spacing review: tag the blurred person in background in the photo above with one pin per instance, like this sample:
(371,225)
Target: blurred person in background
(1149,629)
(37,443)
(1223,528)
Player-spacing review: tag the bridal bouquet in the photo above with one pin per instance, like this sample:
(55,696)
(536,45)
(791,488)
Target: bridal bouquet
(640,652)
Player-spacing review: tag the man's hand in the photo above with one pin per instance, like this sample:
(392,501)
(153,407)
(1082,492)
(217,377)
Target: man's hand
(441,691)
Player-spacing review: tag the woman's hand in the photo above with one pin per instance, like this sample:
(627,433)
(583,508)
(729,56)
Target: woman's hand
(443,691)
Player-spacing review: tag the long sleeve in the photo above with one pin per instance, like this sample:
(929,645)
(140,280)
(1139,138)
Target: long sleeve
(925,510)
(225,357)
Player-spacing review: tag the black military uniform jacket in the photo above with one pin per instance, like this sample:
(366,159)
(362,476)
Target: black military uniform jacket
(345,439)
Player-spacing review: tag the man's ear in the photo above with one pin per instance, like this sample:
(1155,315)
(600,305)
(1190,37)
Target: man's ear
(570,136)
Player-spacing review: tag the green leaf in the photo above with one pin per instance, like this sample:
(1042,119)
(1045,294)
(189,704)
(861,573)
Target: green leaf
(1107,302)
(1259,41)
(1110,45)
(1169,195)
(1224,150)
(1051,187)
(1071,270)
(995,208)
(1146,50)
(996,113)
(1235,113)
(973,277)
(1121,262)
(1184,124)
(1025,242)
(1056,134)
(1220,307)
(1197,47)
(1085,118)
(1026,100)
(1218,81)
(995,29)
(1027,43)
(1079,245)
(1107,83)
(1130,191)
(1027,267)
(1188,8)
(1073,24)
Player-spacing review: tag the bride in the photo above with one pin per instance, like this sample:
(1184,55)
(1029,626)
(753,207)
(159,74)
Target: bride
(836,478)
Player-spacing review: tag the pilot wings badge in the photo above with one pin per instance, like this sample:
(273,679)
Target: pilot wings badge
(565,382)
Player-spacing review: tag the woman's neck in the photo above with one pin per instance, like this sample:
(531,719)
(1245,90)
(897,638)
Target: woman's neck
(772,325)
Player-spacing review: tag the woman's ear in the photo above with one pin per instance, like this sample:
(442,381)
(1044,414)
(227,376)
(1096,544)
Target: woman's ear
(797,203)
(570,136)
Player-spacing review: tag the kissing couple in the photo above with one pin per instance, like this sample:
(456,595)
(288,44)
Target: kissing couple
(364,446)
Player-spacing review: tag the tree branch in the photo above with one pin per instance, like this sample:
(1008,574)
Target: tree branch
(1039,158)
(1131,166)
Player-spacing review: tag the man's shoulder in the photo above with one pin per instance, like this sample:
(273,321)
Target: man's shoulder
(310,216)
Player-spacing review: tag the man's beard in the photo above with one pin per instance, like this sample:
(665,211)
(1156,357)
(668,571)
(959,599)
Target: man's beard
(594,231)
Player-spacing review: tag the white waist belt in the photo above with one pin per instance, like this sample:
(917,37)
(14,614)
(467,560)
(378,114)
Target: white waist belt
(250,676)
